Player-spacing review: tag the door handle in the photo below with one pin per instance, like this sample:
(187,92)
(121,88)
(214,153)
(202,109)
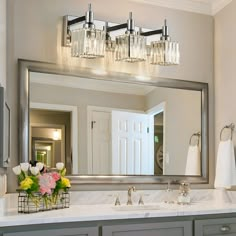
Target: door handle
(92,123)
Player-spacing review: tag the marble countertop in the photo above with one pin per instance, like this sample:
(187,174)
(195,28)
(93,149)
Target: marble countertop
(79,212)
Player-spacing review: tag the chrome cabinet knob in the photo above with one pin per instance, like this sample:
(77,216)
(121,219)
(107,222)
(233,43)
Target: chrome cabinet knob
(225,228)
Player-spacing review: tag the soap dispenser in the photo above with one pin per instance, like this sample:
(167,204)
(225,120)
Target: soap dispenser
(184,194)
(169,194)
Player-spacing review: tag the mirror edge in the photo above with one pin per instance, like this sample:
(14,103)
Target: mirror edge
(27,66)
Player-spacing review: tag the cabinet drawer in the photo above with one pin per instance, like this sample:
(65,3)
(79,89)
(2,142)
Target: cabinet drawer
(91,231)
(180,228)
(215,227)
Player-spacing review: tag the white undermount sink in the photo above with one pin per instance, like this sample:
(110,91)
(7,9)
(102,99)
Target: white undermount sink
(136,207)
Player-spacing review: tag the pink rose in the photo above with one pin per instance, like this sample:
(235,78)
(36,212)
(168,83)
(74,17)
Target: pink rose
(55,176)
(46,183)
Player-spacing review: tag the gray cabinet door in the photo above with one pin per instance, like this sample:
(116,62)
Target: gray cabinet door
(181,228)
(215,227)
(90,231)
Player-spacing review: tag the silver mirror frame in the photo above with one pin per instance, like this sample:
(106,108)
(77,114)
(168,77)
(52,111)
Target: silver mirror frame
(26,66)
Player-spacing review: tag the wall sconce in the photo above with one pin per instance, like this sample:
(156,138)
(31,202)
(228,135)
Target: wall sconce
(88,42)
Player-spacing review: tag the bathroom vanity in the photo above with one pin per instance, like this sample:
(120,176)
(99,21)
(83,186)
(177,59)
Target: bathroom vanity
(89,217)
(219,224)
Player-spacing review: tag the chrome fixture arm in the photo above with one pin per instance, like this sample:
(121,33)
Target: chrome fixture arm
(130,189)
(88,18)
(76,20)
(153,32)
(163,32)
(117,27)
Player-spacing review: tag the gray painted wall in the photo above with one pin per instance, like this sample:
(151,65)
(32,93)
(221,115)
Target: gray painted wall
(34,33)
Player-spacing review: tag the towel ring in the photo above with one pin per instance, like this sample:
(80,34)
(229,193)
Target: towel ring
(231,127)
(198,134)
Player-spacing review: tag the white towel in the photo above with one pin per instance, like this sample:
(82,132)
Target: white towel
(225,165)
(193,164)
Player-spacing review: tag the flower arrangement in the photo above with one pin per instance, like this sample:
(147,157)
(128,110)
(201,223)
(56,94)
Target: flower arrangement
(36,181)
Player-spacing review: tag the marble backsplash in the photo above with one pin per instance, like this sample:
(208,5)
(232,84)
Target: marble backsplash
(9,201)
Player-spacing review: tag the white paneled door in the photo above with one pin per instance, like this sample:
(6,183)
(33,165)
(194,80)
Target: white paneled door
(101,142)
(131,147)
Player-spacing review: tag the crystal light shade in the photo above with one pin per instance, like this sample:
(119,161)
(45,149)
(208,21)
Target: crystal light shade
(164,53)
(110,45)
(130,48)
(88,43)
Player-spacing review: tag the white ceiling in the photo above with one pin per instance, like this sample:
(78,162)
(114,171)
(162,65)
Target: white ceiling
(208,7)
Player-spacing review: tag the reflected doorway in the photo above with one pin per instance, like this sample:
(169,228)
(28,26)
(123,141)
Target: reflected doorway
(43,151)
(50,137)
(159,135)
(158,143)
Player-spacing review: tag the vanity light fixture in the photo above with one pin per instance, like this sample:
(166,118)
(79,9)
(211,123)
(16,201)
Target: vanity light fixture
(88,42)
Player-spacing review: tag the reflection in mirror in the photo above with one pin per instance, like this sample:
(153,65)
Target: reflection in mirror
(119,129)
(50,137)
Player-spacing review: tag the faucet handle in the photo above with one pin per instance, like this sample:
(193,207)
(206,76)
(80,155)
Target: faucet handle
(117,202)
(184,188)
(130,188)
(140,201)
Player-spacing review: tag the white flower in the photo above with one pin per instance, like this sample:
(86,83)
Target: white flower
(40,165)
(60,165)
(16,170)
(24,166)
(34,170)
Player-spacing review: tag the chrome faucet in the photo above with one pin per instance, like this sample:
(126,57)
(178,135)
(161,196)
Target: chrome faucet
(130,189)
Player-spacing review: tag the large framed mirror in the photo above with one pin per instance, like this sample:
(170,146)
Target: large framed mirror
(113,127)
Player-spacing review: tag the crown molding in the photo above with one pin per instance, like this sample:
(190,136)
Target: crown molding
(219,5)
(207,7)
